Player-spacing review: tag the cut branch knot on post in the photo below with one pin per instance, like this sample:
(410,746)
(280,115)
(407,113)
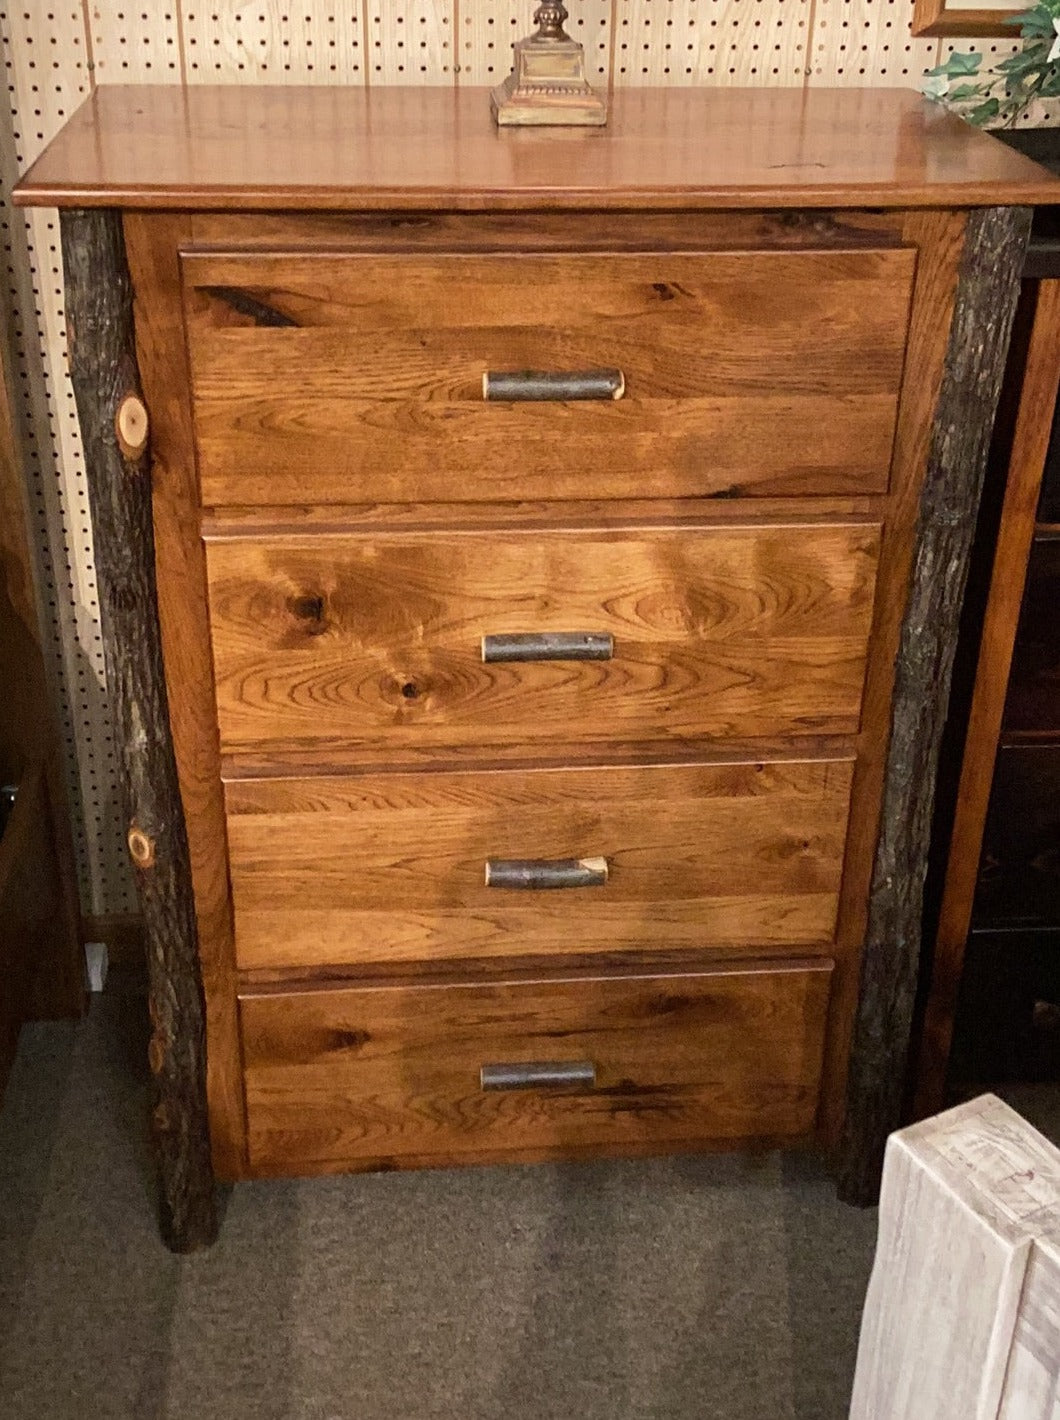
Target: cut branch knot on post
(141,848)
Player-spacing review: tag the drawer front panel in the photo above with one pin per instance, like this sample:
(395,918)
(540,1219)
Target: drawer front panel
(392,867)
(360,378)
(393,1076)
(348,642)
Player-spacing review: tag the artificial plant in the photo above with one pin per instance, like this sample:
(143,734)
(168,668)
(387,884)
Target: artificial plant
(996,97)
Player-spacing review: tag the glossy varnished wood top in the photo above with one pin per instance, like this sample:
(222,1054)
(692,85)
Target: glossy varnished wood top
(260,148)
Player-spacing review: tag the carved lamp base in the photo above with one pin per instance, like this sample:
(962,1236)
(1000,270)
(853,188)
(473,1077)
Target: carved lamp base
(547,86)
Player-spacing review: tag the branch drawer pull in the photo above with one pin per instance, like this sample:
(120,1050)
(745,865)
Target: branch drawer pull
(533,875)
(538,386)
(549,646)
(538,1074)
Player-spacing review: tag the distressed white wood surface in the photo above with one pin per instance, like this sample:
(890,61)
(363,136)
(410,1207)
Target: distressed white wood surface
(1032,1381)
(961,1318)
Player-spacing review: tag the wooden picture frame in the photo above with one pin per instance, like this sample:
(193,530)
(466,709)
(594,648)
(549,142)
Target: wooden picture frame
(955,17)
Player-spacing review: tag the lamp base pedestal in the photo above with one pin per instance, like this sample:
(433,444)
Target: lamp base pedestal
(548,88)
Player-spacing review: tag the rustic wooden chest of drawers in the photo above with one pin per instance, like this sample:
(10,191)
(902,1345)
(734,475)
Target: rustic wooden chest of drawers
(538,521)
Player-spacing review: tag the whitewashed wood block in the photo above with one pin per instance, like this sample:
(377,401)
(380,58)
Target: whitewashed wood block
(962,1317)
(1032,1382)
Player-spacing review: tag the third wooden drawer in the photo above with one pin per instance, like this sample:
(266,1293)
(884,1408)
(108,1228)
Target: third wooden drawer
(389,868)
(344,642)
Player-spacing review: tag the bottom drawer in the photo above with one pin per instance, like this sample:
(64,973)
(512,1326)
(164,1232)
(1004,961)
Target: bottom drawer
(408,1075)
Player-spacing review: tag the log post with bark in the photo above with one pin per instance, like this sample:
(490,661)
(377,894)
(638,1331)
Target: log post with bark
(115,429)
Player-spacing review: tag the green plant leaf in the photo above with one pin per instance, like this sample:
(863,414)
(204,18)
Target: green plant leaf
(957,66)
(963,92)
(985,112)
(1032,22)
(960,64)
(1019,67)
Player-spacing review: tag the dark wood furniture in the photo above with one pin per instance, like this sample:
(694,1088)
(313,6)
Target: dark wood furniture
(993,993)
(41,960)
(681,656)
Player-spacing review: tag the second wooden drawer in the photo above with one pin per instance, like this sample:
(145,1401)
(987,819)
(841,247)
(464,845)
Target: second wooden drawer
(347,642)
(392,867)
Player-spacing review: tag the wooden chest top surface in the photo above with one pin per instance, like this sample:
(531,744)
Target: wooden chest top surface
(288,148)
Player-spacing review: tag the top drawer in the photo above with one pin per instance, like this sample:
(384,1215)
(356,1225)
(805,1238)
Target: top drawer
(351,378)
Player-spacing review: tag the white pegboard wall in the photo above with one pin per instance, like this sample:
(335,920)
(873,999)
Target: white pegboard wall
(410,43)
(866,43)
(486,33)
(318,43)
(135,43)
(47,71)
(55,52)
(732,42)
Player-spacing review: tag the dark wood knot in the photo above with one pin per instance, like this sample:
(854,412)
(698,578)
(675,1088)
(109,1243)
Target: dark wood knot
(246,304)
(309,609)
(348,1041)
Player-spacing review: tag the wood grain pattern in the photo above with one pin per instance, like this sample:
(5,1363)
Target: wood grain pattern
(314,761)
(226,233)
(389,1076)
(153,245)
(391,867)
(406,149)
(99,304)
(978,345)
(359,378)
(537,516)
(363,640)
(1030,443)
(1032,1383)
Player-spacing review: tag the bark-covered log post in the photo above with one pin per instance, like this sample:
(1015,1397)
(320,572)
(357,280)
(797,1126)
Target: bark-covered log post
(99,324)
(988,288)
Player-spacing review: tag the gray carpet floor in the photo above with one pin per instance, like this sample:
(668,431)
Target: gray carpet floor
(712,1287)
